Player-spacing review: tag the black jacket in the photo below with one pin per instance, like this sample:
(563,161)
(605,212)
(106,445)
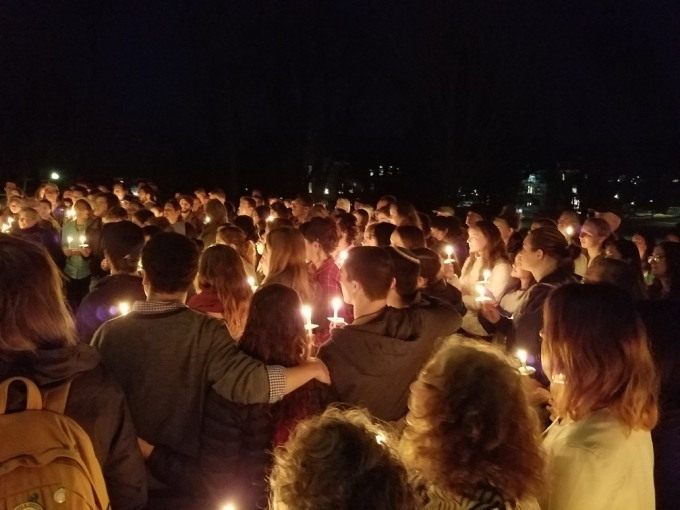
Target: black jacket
(94,236)
(97,404)
(234,455)
(446,292)
(49,238)
(373,364)
(101,304)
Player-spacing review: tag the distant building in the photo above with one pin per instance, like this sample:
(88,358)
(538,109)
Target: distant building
(546,191)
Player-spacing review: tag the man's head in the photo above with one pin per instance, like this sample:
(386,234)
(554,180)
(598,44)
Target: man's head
(52,193)
(115,214)
(386,201)
(145,193)
(170,264)
(406,273)
(344,204)
(120,190)
(122,243)
(44,208)
(301,207)
(185,203)
(28,217)
(218,194)
(246,206)
(366,275)
(103,202)
(9,186)
(430,267)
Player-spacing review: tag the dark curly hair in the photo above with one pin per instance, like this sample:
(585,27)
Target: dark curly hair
(347,223)
(476,428)
(323,231)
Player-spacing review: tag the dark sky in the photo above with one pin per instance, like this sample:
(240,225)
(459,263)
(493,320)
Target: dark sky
(190,90)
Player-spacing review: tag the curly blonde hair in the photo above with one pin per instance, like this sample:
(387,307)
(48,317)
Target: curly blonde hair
(339,461)
(471,426)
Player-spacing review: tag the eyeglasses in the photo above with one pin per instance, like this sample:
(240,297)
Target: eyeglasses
(655,258)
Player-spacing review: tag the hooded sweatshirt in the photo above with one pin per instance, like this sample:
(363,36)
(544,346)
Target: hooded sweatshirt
(97,404)
(374,363)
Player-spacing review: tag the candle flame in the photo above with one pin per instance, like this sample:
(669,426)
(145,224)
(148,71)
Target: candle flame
(307,312)
(124,308)
(481,290)
(522,355)
(337,302)
(380,438)
(251,281)
(69,239)
(343,256)
(10,221)
(487,275)
(229,506)
(449,250)
(207,219)
(83,239)
(570,231)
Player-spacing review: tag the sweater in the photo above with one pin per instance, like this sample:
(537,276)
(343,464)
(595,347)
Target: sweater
(596,463)
(472,274)
(166,363)
(374,363)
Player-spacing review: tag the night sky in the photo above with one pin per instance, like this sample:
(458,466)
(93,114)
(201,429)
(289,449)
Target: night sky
(250,93)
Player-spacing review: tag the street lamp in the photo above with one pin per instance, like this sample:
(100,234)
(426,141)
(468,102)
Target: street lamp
(54,176)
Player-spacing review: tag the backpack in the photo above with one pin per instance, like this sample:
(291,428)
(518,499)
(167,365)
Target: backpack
(46,459)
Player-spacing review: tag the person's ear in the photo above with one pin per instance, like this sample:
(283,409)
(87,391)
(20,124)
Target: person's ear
(422,282)
(145,279)
(393,285)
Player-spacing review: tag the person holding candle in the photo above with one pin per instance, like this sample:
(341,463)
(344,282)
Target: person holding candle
(599,450)
(77,268)
(172,210)
(224,291)
(11,213)
(481,452)
(122,244)
(545,255)
(44,208)
(93,253)
(488,266)
(215,217)
(321,241)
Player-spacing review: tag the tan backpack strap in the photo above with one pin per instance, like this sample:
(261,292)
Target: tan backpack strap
(54,399)
(33,398)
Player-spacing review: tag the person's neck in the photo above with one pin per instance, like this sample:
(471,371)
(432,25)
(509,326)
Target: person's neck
(319,258)
(115,271)
(524,283)
(161,296)
(364,307)
(594,252)
(665,284)
(549,266)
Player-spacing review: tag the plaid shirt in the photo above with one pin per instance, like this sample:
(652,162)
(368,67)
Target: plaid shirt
(277,374)
(328,276)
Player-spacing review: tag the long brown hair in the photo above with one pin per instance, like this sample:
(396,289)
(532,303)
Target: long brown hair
(33,313)
(275,334)
(595,341)
(475,426)
(221,268)
(495,247)
(286,247)
(236,237)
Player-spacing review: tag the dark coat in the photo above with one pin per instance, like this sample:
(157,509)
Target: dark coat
(101,304)
(94,236)
(97,404)
(47,237)
(373,364)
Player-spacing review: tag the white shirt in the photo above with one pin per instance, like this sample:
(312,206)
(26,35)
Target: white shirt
(596,463)
(498,282)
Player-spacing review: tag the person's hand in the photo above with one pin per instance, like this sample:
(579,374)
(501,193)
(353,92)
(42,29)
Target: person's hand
(448,270)
(105,265)
(490,311)
(464,290)
(321,373)
(69,252)
(145,448)
(86,252)
(337,324)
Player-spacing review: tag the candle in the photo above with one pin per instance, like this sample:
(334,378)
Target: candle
(449,252)
(380,438)
(342,256)
(229,506)
(337,303)
(481,290)
(83,244)
(524,369)
(307,314)
(5,228)
(71,213)
(270,218)
(69,240)
(251,282)
(487,275)
(123,308)
(207,219)
(10,220)
(570,231)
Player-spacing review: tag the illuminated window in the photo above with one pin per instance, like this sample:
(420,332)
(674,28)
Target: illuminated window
(530,190)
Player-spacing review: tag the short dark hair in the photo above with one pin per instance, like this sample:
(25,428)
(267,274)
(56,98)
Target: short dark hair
(144,215)
(322,230)
(382,232)
(249,200)
(372,268)
(170,262)
(411,236)
(430,264)
(123,243)
(174,203)
(390,199)
(151,230)
(280,209)
(406,270)
(305,200)
(111,199)
(116,213)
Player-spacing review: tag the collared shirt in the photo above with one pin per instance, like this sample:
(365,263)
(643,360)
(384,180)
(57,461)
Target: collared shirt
(328,276)
(76,266)
(277,374)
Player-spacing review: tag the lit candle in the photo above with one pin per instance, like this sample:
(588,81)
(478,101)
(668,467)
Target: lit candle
(481,290)
(10,220)
(380,438)
(69,240)
(524,369)
(342,256)
(251,282)
(307,314)
(71,213)
(83,244)
(207,219)
(270,218)
(5,228)
(487,276)
(337,303)
(570,231)
(123,308)
(449,252)
(229,506)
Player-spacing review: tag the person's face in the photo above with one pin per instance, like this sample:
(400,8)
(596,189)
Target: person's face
(311,249)
(438,234)
(76,195)
(244,209)
(15,207)
(170,213)
(185,205)
(394,217)
(472,218)
(370,239)
(395,240)
(100,207)
(196,206)
(360,220)
(9,186)
(44,210)
(504,229)
(348,288)
(517,271)
(641,244)
(672,238)
(421,393)
(119,191)
(589,237)
(476,240)
(565,221)
(383,218)
(81,213)
(51,194)
(528,258)
(381,204)
(143,196)
(658,262)
(200,195)
(26,221)
(299,209)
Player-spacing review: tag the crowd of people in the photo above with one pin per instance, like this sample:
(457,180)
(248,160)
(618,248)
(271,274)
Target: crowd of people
(286,354)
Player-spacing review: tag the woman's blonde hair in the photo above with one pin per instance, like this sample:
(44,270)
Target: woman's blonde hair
(596,344)
(475,427)
(33,313)
(339,460)
(286,247)
(221,268)
(234,236)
